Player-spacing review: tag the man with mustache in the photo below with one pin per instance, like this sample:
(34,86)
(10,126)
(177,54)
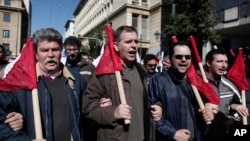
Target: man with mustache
(60,92)
(74,60)
(230,107)
(181,120)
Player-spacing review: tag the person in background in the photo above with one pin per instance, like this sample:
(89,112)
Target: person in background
(85,56)
(74,60)
(3,62)
(14,119)
(150,62)
(230,107)
(111,118)
(182,120)
(60,92)
(79,63)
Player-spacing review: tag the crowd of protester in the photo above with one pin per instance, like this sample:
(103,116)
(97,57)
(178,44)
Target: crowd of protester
(76,104)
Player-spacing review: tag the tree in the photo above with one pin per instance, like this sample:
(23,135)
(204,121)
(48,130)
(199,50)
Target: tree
(95,45)
(194,17)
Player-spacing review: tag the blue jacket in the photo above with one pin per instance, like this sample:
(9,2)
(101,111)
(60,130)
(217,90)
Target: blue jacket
(163,88)
(21,101)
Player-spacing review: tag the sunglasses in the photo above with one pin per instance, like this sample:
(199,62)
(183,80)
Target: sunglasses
(151,65)
(187,57)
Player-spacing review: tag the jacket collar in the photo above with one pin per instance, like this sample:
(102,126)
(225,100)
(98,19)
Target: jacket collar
(66,73)
(173,76)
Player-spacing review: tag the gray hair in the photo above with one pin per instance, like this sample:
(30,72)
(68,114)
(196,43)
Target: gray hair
(47,34)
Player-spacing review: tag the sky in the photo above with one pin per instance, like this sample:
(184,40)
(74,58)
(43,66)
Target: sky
(52,13)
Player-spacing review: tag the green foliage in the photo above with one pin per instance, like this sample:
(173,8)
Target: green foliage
(94,45)
(194,17)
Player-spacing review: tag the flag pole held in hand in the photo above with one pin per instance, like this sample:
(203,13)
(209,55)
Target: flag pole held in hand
(110,63)
(237,75)
(19,77)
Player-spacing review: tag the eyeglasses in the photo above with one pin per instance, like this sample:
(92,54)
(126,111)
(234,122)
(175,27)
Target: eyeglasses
(187,57)
(151,65)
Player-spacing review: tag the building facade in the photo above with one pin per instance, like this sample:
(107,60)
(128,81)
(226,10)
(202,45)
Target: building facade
(150,16)
(70,28)
(15,24)
(233,22)
(147,16)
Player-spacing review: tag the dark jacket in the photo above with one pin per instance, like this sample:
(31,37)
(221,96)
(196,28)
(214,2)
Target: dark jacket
(21,101)
(163,87)
(86,69)
(248,99)
(106,86)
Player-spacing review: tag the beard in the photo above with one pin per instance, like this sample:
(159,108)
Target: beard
(73,60)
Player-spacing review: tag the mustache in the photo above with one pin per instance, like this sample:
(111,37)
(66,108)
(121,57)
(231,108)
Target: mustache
(50,61)
(73,55)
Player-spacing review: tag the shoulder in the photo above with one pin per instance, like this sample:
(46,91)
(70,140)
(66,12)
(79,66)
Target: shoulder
(161,77)
(73,75)
(140,66)
(164,74)
(227,81)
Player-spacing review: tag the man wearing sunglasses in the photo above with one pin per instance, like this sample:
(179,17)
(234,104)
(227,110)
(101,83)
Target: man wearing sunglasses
(150,62)
(180,120)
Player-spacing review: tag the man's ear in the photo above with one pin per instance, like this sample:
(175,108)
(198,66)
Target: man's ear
(208,63)
(116,46)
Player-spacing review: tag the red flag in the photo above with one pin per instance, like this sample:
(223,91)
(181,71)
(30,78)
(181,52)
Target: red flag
(205,88)
(110,61)
(174,39)
(194,47)
(237,72)
(23,73)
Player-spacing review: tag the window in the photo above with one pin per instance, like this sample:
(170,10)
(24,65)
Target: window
(140,22)
(6,47)
(135,21)
(144,3)
(144,27)
(6,17)
(6,34)
(7,2)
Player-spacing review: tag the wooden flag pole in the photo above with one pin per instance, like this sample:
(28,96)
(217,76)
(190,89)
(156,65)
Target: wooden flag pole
(199,100)
(121,91)
(37,116)
(198,59)
(243,98)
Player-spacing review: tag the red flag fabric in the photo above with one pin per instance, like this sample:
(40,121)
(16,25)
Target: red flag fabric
(23,73)
(204,88)
(196,59)
(110,61)
(237,72)
(194,47)
(174,39)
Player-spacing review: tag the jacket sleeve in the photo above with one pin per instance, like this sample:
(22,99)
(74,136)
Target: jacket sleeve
(91,103)
(155,92)
(7,105)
